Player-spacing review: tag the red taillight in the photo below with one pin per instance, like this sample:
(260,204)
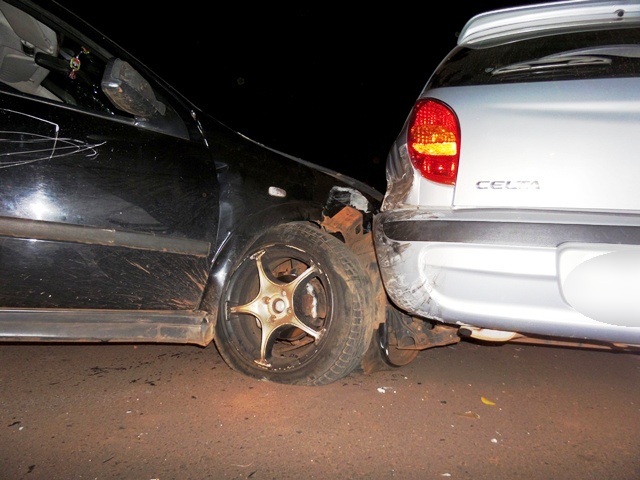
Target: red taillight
(434,141)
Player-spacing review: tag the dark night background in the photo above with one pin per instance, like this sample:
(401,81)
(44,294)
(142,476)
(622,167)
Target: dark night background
(330,84)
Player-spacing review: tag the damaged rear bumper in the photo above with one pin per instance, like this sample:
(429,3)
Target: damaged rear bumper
(514,271)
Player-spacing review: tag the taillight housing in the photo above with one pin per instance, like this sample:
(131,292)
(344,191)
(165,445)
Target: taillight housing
(433,140)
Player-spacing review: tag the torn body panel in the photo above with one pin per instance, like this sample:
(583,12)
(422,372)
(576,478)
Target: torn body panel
(348,222)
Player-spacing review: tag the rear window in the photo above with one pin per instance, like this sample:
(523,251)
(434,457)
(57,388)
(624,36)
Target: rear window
(610,53)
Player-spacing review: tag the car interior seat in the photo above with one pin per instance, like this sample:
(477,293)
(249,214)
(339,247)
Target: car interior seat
(21,37)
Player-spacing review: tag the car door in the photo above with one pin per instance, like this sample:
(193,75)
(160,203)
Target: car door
(100,209)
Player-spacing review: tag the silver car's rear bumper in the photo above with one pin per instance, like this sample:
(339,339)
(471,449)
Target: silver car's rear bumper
(530,272)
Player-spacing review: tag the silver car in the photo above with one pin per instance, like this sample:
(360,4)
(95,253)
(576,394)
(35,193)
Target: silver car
(512,209)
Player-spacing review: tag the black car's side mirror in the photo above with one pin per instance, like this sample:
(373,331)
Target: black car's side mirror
(129,91)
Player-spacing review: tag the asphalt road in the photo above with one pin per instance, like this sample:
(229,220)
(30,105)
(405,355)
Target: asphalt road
(177,412)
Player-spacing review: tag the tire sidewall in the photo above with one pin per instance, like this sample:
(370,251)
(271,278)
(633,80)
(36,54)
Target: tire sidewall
(342,346)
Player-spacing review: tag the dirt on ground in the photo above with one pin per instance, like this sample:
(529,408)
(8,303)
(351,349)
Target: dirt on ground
(465,411)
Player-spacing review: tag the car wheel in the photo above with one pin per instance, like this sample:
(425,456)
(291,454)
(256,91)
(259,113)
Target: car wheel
(296,309)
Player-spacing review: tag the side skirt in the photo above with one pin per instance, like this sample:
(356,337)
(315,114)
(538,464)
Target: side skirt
(117,326)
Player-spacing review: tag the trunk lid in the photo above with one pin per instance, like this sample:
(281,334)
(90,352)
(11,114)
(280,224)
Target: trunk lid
(548,145)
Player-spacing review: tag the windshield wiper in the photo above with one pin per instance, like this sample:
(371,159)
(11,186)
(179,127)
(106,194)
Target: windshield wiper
(593,56)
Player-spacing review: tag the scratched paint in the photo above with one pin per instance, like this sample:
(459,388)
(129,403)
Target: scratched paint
(41,142)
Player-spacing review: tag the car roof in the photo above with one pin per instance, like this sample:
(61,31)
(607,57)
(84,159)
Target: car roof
(499,25)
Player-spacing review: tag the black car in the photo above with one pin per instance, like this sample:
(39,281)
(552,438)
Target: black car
(127,214)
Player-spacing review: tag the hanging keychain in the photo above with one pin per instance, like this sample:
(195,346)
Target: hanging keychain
(75,63)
